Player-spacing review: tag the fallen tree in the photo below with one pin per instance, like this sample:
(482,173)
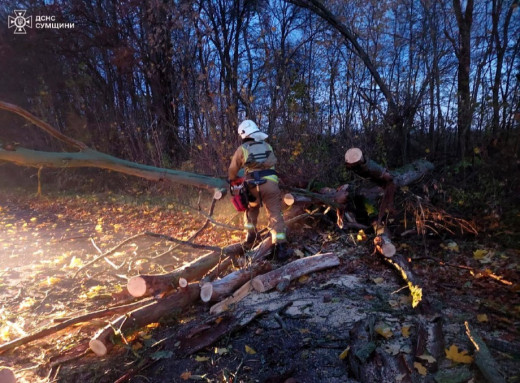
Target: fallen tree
(387,180)
(87,157)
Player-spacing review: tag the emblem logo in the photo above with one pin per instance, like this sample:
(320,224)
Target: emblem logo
(19,22)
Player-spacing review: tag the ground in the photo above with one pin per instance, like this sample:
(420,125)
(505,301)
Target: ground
(300,334)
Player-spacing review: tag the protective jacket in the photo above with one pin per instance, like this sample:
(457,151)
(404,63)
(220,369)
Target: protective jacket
(258,160)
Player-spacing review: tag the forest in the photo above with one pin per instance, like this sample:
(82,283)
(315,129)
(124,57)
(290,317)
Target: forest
(396,126)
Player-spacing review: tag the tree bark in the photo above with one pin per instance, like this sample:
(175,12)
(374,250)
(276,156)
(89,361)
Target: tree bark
(216,290)
(294,270)
(237,296)
(368,363)
(60,326)
(356,161)
(144,285)
(100,343)
(483,358)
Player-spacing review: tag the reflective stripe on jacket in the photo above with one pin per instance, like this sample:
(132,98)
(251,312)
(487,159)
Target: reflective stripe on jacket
(253,156)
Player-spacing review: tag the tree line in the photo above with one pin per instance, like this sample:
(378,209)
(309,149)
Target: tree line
(166,82)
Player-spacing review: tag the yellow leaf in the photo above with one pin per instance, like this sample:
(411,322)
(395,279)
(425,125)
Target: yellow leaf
(361,236)
(186,375)
(344,353)
(75,262)
(249,350)
(99,228)
(303,279)
(479,254)
(482,318)
(51,281)
(420,368)
(4,334)
(453,354)
(33,219)
(405,330)
(202,358)
(27,302)
(384,330)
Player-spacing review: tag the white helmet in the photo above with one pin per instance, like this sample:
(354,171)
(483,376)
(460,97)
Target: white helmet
(249,129)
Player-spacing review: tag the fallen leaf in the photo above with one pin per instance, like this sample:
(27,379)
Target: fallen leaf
(453,354)
(405,330)
(479,254)
(482,318)
(384,330)
(221,350)
(249,350)
(201,358)
(378,280)
(186,375)
(420,368)
(344,353)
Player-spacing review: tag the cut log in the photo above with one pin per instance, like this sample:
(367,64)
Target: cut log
(384,245)
(353,156)
(144,285)
(101,343)
(7,375)
(368,363)
(430,340)
(290,199)
(69,322)
(216,290)
(356,161)
(335,198)
(237,296)
(483,358)
(294,270)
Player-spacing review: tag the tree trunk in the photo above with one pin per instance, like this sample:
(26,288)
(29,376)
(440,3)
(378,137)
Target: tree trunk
(87,157)
(294,270)
(100,343)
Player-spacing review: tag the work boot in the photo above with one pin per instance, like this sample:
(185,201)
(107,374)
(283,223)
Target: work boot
(282,252)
